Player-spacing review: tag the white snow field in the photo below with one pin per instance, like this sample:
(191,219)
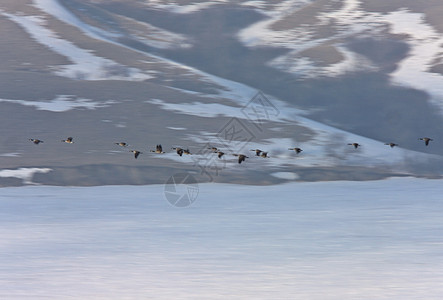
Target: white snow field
(318,240)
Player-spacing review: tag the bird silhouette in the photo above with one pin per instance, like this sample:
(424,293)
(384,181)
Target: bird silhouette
(136,153)
(296,149)
(213,149)
(36,141)
(426,140)
(158,149)
(241,157)
(122,144)
(68,140)
(356,145)
(392,145)
(257,151)
(178,150)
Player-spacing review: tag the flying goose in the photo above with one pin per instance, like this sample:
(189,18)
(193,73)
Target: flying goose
(426,140)
(220,154)
(68,140)
(392,145)
(178,150)
(356,145)
(136,153)
(122,144)
(158,149)
(257,151)
(36,141)
(213,149)
(264,154)
(241,157)
(297,150)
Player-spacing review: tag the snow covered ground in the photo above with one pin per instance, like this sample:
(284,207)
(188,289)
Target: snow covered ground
(61,103)
(323,145)
(324,240)
(350,19)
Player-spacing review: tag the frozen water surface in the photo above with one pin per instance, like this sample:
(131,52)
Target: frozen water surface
(324,240)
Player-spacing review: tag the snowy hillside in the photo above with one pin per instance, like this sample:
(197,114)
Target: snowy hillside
(318,75)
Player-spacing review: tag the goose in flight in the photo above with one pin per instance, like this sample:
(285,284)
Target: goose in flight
(257,151)
(241,157)
(392,145)
(356,145)
(136,153)
(178,150)
(36,141)
(264,154)
(68,140)
(213,149)
(220,154)
(158,149)
(426,140)
(297,150)
(122,144)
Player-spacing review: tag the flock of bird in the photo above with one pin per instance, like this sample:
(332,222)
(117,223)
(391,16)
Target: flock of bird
(241,157)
